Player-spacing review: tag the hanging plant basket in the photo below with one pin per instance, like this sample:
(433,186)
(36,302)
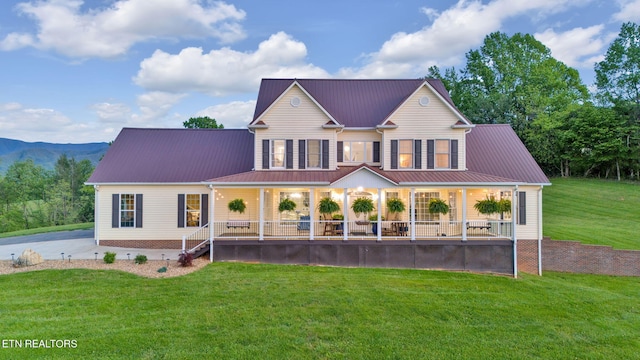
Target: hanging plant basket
(438,206)
(487,206)
(504,206)
(327,206)
(237,205)
(362,205)
(395,206)
(286,205)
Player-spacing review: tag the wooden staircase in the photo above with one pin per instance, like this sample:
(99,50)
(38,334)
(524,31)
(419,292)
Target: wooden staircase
(200,250)
(197,243)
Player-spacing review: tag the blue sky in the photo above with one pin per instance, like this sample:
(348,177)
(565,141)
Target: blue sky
(78,71)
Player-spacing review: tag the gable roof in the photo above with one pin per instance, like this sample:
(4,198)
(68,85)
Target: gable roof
(497,150)
(352,103)
(174,156)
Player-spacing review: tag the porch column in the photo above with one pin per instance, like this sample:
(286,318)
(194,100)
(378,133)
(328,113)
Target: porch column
(514,207)
(379,226)
(345,213)
(412,214)
(312,213)
(464,214)
(212,201)
(539,231)
(261,211)
(96,226)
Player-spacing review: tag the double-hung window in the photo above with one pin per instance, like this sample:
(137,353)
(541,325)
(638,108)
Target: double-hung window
(277,153)
(405,154)
(127,210)
(192,210)
(314,154)
(442,154)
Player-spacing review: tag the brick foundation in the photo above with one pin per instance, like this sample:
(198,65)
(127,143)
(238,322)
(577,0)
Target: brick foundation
(575,257)
(528,256)
(143,244)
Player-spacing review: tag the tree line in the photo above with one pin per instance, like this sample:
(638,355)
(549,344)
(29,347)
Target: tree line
(570,130)
(34,197)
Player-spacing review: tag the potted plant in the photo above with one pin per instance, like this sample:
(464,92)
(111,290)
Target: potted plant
(487,206)
(362,205)
(286,204)
(373,218)
(439,206)
(327,206)
(395,206)
(237,205)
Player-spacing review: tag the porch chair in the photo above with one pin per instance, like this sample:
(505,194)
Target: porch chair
(305,223)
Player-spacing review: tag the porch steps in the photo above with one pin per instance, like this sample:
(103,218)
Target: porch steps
(200,250)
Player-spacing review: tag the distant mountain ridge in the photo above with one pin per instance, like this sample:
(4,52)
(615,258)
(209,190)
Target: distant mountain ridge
(46,154)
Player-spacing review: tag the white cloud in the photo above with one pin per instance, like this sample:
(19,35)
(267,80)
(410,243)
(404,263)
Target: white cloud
(226,71)
(450,35)
(41,124)
(65,28)
(154,107)
(236,114)
(112,113)
(579,47)
(629,11)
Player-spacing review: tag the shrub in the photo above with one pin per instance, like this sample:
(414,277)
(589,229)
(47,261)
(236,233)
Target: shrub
(185,259)
(140,259)
(109,257)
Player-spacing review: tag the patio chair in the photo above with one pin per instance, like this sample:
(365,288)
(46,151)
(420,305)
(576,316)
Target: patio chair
(305,223)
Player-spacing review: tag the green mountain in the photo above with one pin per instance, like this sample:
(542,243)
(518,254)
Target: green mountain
(46,154)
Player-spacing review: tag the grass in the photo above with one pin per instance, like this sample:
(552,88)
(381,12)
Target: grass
(233,310)
(593,212)
(47,229)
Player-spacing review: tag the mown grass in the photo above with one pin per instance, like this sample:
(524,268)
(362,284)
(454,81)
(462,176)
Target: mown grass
(233,310)
(47,229)
(593,212)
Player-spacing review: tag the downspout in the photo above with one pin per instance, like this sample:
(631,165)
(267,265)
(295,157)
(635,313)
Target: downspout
(514,207)
(96,214)
(212,200)
(540,230)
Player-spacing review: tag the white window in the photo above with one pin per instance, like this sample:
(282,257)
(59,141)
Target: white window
(301,199)
(127,210)
(314,153)
(442,154)
(277,153)
(192,210)
(357,151)
(405,154)
(422,206)
(453,206)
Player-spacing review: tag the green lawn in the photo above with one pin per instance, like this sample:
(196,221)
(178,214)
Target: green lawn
(234,310)
(593,212)
(82,226)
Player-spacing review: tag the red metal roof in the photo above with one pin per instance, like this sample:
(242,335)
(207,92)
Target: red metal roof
(174,155)
(353,103)
(497,150)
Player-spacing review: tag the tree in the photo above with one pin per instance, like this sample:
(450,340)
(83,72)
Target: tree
(24,182)
(202,122)
(512,80)
(618,83)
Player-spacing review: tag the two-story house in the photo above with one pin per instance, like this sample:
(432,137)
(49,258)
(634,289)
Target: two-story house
(313,142)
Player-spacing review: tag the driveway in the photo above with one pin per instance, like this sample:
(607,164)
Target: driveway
(78,243)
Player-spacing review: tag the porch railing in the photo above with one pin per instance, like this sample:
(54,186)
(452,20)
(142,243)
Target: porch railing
(364,230)
(195,239)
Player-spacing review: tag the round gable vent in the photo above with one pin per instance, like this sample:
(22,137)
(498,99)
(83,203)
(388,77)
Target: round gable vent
(295,101)
(424,101)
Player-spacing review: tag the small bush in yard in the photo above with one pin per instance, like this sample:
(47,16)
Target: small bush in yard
(185,259)
(140,259)
(109,257)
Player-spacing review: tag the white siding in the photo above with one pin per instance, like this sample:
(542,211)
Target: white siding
(302,122)
(530,230)
(160,212)
(433,121)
